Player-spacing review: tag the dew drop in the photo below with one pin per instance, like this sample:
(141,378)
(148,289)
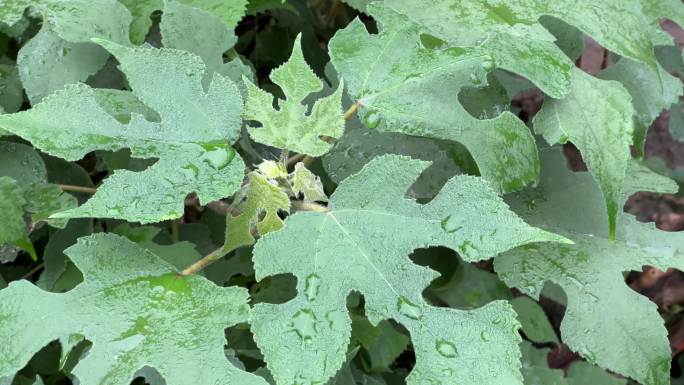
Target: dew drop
(488,64)
(372,119)
(311,286)
(484,336)
(218,156)
(444,224)
(304,324)
(446,348)
(409,309)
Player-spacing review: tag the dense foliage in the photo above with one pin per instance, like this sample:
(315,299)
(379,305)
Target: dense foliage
(321,192)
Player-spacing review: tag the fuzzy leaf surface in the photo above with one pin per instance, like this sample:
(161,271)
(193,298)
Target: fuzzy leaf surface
(605,321)
(136,312)
(404,87)
(598,117)
(263,198)
(192,140)
(290,126)
(511,33)
(355,246)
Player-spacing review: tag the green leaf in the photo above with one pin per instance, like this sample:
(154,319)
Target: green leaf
(179,254)
(229,12)
(62,52)
(471,288)
(511,33)
(290,126)
(129,301)
(359,145)
(403,87)
(534,323)
(25,174)
(355,246)
(307,185)
(11,91)
(597,117)
(383,342)
(651,92)
(259,213)
(535,367)
(207,36)
(582,373)
(192,140)
(676,122)
(13,231)
(605,321)
(59,273)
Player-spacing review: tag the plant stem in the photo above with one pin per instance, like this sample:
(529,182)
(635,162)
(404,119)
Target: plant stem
(202,263)
(33,271)
(351,111)
(175,230)
(80,189)
(309,206)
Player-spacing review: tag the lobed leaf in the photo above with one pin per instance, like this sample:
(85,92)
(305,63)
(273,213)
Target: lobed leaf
(402,86)
(605,321)
(136,312)
(192,140)
(362,244)
(291,126)
(511,33)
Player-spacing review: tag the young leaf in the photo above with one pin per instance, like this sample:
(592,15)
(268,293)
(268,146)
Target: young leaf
(355,246)
(263,198)
(136,311)
(511,33)
(597,117)
(290,126)
(192,140)
(403,87)
(306,184)
(605,321)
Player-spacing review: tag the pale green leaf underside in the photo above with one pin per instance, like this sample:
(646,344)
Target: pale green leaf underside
(192,141)
(404,87)
(291,126)
(598,117)
(510,31)
(605,321)
(355,247)
(137,313)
